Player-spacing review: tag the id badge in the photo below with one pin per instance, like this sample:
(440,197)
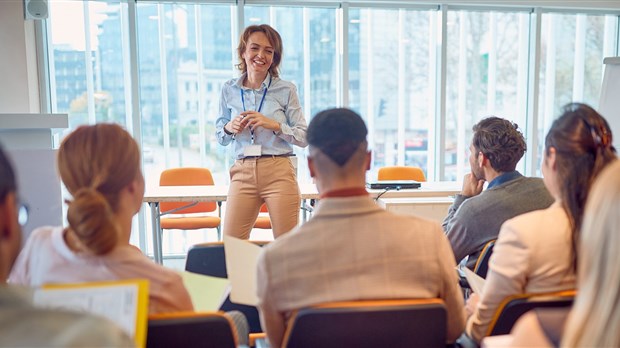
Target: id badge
(252,150)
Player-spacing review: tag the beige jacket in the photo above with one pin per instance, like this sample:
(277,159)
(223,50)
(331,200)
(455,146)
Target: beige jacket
(532,255)
(353,250)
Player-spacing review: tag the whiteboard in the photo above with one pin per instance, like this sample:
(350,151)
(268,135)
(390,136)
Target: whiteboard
(609,104)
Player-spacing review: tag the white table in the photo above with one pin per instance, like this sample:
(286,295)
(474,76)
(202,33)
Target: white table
(434,208)
(194,194)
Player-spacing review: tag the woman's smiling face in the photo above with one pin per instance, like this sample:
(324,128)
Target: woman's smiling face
(258,54)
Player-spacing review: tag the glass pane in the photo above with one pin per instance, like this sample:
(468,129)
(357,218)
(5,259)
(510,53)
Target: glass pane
(185,57)
(571,70)
(390,76)
(87,60)
(486,75)
(309,57)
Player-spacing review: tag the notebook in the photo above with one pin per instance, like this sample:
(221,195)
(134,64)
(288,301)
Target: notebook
(393,185)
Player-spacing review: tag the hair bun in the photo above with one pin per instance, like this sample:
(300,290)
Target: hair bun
(92,220)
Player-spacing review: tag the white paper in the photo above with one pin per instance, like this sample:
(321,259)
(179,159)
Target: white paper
(117,303)
(476,282)
(207,293)
(241,260)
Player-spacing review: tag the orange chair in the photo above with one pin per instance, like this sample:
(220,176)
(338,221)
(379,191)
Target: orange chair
(513,307)
(401,173)
(263,221)
(189,177)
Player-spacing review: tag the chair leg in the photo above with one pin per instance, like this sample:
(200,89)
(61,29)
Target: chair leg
(219,214)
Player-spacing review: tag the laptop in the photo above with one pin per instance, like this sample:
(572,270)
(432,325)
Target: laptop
(393,185)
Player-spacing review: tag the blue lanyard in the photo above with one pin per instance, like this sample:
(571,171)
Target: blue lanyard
(260,106)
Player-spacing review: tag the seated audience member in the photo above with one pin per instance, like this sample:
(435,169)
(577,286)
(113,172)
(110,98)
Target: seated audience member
(595,316)
(476,216)
(21,324)
(536,252)
(351,249)
(100,166)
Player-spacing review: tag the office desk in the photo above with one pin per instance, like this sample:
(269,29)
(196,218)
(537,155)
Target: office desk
(194,194)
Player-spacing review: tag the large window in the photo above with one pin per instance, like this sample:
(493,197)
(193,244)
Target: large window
(420,75)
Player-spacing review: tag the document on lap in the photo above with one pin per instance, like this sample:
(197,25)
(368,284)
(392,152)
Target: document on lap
(124,302)
(241,260)
(207,293)
(476,282)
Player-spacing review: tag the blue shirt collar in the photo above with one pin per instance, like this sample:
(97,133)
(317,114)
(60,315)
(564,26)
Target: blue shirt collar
(504,178)
(263,85)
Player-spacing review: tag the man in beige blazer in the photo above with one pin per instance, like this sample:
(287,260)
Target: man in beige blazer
(352,249)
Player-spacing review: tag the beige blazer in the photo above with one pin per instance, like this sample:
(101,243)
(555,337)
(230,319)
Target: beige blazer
(353,250)
(532,255)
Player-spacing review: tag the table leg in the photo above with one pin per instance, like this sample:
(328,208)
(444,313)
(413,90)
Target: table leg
(157,246)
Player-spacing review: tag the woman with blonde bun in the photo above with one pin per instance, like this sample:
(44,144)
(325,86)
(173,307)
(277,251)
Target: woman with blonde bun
(100,167)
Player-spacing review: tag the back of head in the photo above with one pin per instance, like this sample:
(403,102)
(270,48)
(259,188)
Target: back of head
(500,141)
(582,141)
(338,133)
(7,177)
(95,164)
(596,313)
(10,231)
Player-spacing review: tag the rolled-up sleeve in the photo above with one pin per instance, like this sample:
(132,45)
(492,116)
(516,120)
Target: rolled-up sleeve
(224,116)
(295,131)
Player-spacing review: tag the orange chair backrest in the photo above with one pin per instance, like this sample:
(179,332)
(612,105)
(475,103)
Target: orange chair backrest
(401,173)
(188,176)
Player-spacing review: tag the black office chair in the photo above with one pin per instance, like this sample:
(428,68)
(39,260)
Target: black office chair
(361,324)
(513,307)
(482,263)
(190,329)
(481,267)
(210,259)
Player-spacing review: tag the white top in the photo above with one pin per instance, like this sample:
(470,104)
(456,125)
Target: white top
(46,258)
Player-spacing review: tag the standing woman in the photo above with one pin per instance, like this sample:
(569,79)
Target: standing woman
(260,114)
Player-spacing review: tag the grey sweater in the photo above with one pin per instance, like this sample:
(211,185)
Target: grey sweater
(473,221)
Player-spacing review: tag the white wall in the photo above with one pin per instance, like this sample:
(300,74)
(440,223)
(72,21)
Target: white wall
(18,69)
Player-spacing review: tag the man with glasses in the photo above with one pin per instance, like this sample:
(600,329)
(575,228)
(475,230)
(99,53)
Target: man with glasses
(21,324)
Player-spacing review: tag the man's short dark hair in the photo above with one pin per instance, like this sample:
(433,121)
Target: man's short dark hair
(500,141)
(7,176)
(338,133)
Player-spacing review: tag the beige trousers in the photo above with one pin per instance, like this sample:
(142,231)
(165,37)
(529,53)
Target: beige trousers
(267,179)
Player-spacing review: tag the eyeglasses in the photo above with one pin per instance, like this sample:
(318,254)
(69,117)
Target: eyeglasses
(22,214)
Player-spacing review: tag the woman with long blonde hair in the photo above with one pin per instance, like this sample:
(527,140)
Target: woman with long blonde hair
(100,167)
(595,317)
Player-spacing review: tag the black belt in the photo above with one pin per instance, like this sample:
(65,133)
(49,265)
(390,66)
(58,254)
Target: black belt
(265,156)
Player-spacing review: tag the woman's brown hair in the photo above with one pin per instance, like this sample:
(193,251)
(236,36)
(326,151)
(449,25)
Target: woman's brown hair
(274,39)
(95,164)
(582,140)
